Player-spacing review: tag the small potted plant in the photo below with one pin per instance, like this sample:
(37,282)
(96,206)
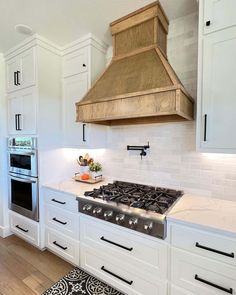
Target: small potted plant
(95,169)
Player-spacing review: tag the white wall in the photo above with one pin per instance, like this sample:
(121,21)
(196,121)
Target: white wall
(3,162)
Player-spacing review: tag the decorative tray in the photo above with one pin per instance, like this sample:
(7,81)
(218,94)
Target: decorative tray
(90,180)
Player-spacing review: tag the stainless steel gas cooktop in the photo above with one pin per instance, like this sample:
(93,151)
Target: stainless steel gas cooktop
(139,207)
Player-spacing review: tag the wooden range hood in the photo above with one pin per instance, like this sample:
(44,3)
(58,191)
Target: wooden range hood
(139,86)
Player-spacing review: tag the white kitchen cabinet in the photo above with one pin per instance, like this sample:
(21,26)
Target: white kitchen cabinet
(204,243)
(139,261)
(216,89)
(22,112)
(148,255)
(62,245)
(82,63)
(201,261)
(74,87)
(21,70)
(12,66)
(76,62)
(219,14)
(61,221)
(25,228)
(34,105)
(119,274)
(201,275)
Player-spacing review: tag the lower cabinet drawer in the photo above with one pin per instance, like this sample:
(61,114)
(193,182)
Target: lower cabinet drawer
(118,274)
(62,245)
(148,255)
(62,220)
(25,228)
(61,200)
(204,243)
(200,275)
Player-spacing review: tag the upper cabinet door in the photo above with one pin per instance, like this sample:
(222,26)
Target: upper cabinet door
(219,14)
(75,63)
(28,68)
(21,70)
(22,112)
(12,66)
(218,114)
(75,134)
(15,110)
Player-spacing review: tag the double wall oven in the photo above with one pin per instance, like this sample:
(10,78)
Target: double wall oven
(23,176)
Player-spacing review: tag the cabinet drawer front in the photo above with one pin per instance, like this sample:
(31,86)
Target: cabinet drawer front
(124,244)
(219,14)
(25,228)
(204,243)
(62,220)
(75,63)
(115,273)
(65,247)
(201,275)
(61,200)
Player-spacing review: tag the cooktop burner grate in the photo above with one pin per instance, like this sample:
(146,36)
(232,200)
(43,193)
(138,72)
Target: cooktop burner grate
(145,197)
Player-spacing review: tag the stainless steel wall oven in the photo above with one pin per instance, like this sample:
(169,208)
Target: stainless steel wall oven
(23,176)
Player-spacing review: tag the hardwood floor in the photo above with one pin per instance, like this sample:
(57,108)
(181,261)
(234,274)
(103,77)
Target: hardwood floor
(25,270)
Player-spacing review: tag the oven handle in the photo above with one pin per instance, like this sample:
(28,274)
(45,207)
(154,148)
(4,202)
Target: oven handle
(23,153)
(22,179)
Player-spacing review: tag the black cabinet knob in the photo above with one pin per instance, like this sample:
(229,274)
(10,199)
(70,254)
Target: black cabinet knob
(84,65)
(208,23)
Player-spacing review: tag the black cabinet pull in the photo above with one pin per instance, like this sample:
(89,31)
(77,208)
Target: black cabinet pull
(214,250)
(208,23)
(84,139)
(118,245)
(15,83)
(58,245)
(116,276)
(17,78)
(84,65)
(205,128)
(59,202)
(16,121)
(22,229)
(59,221)
(230,290)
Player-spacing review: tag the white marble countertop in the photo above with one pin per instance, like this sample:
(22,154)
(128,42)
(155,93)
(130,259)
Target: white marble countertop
(74,187)
(213,214)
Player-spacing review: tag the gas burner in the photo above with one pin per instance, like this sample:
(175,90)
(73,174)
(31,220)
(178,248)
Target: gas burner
(134,195)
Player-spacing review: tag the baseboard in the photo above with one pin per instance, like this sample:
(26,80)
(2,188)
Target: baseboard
(5,231)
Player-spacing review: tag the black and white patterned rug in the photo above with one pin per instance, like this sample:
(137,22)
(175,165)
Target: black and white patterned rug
(78,282)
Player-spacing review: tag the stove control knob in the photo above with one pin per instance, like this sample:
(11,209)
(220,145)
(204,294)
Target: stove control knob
(133,222)
(148,225)
(120,218)
(87,207)
(108,214)
(97,211)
